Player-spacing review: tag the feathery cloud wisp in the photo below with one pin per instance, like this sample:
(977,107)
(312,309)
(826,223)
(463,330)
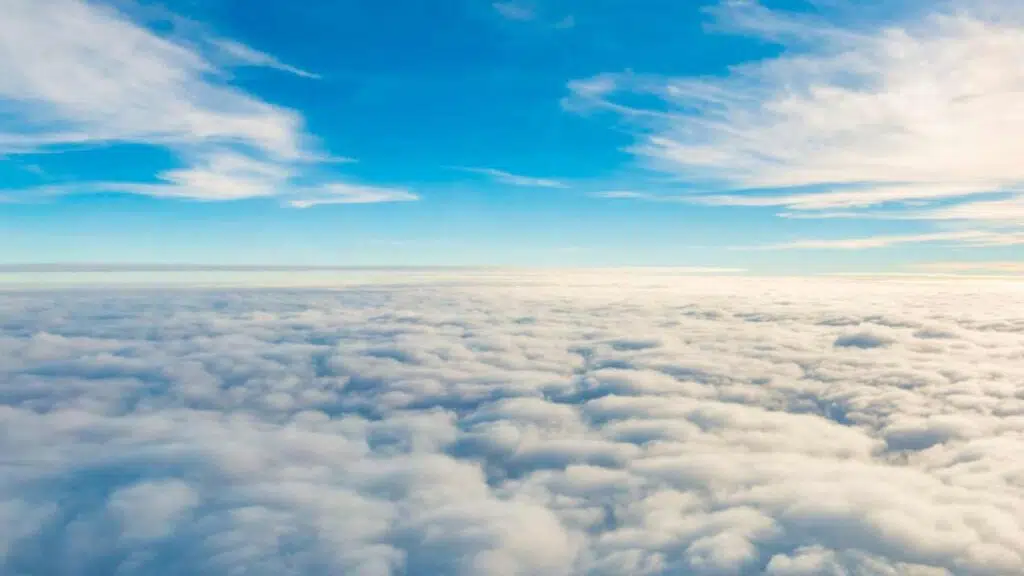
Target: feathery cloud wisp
(620,194)
(969,237)
(843,107)
(248,56)
(76,73)
(1001,267)
(848,116)
(338,193)
(515,179)
(514,11)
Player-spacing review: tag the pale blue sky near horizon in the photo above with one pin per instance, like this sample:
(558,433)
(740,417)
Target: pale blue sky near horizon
(780,137)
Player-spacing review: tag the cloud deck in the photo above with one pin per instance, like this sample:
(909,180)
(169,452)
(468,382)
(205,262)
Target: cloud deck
(658,425)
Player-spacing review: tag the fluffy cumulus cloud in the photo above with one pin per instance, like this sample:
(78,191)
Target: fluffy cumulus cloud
(540,425)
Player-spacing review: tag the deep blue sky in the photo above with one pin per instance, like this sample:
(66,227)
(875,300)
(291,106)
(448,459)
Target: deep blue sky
(475,132)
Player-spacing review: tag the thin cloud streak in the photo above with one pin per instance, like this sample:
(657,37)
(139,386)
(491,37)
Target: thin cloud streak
(1002,267)
(840,198)
(623,194)
(338,193)
(514,179)
(1006,211)
(513,11)
(970,237)
(245,55)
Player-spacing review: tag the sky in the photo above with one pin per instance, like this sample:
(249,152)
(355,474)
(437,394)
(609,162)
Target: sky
(819,136)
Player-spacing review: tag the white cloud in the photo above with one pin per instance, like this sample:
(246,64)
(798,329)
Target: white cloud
(82,73)
(514,11)
(521,12)
(219,176)
(151,510)
(353,194)
(76,73)
(245,55)
(1007,211)
(229,176)
(1009,267)
(516,179)
(504,423)
(974,237)
(566,23)
(864,114)
(839,198)
(624,194)
(853,107)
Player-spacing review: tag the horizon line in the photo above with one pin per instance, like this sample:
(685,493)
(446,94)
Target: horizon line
(105,267)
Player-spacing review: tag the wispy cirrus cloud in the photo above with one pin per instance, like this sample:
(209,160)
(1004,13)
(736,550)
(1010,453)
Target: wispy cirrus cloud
(841,107)
(514,11)
(848,116)
(842,197)
(566,23)
(342,193)
(76,73)
(514,179)
(521,12)
(976,238)
(247,56)
(624,194)
(982,267)
(998,213)
(223,183)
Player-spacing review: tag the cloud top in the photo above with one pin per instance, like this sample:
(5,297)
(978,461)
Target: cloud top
(543,425)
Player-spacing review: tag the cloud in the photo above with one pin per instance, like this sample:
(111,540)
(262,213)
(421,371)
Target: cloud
(221,182)
(244,55)
(625,194)
(83,73)
(218,176)
(972,237)
(516,179)
(1006,211)
(514,11)
(1009,267)
(504,423)
(566,23)
(853,113)
(353,194)
(853,107)
(152,510)
(76,73)
(518,12)
(854,197)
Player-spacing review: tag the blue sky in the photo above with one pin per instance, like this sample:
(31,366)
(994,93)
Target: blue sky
(775,137)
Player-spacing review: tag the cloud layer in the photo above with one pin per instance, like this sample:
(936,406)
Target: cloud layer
(561,424)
